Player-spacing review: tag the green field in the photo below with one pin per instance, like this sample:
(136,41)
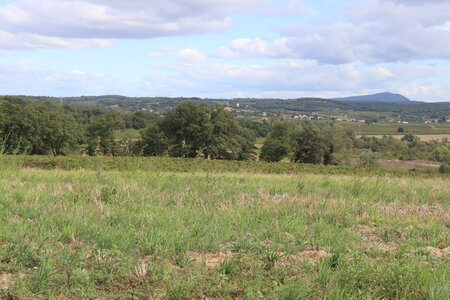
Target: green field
(391,128)
(162,228)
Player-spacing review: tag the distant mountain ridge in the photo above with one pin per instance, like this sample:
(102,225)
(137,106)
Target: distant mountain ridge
(380,97)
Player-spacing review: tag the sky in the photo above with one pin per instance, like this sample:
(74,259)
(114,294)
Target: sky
(225,48)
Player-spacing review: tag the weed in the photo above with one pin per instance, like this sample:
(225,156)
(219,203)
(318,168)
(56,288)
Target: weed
(270,259)
(40,279)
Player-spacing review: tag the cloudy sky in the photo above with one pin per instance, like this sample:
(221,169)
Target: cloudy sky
(225,48)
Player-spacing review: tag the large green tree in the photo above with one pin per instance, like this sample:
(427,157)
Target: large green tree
(278,143)
(100,133)
(32,127)
(198,131)
(325,143)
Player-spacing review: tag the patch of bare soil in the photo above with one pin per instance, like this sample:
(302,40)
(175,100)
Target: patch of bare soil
(439,253)
(209,258)
(311,255)
(296,259)
(5,279)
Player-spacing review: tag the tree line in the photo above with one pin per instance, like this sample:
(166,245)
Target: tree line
(40,128)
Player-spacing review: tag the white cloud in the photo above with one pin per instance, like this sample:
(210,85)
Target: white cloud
(189,55)
(26,41)
(283,8)
(427,92)
(261,48)
(78,73)
(224,52)
(66,22)
(292,77)
(118,19)
(377,31)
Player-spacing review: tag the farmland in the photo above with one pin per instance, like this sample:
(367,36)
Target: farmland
(392,129)
(192,228)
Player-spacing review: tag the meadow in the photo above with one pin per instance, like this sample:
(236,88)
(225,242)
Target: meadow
(160,228)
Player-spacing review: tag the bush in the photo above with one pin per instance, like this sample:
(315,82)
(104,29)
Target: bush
(444,169)
(368,158)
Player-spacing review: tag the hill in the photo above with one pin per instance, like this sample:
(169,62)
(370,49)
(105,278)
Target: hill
(380,97)
(408,110)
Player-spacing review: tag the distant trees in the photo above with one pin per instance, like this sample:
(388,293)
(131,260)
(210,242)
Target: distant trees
(408,148)
(139,120)
(260,129)
(325,143)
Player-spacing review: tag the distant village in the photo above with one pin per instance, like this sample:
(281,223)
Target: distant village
(237,110)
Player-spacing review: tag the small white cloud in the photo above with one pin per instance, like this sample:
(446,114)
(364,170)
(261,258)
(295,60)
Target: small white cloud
(26,41)
(258,47)
(382,72)
(224,52)
(190,55)
(78,73)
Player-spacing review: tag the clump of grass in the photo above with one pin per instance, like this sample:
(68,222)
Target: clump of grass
(270,259)
(40,279)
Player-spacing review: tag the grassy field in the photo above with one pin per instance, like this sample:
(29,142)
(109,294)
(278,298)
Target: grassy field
(123,231)
(391,129)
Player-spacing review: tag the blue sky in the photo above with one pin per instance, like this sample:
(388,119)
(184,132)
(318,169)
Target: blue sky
(226,48)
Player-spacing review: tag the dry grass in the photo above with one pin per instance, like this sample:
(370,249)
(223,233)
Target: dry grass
(210,259)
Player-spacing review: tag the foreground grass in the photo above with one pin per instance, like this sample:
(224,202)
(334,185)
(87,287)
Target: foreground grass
(152,234)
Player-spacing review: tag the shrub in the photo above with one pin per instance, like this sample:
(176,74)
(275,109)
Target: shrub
(368,158)
(444,169)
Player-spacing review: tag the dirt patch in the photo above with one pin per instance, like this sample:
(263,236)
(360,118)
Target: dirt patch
(209,258)
(439,253)
(312,256)
(5,279)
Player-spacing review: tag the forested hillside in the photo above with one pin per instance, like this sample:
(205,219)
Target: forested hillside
(301,105)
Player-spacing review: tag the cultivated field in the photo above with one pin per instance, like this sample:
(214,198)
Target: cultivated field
(423,138)
(146,232)
(391,129)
